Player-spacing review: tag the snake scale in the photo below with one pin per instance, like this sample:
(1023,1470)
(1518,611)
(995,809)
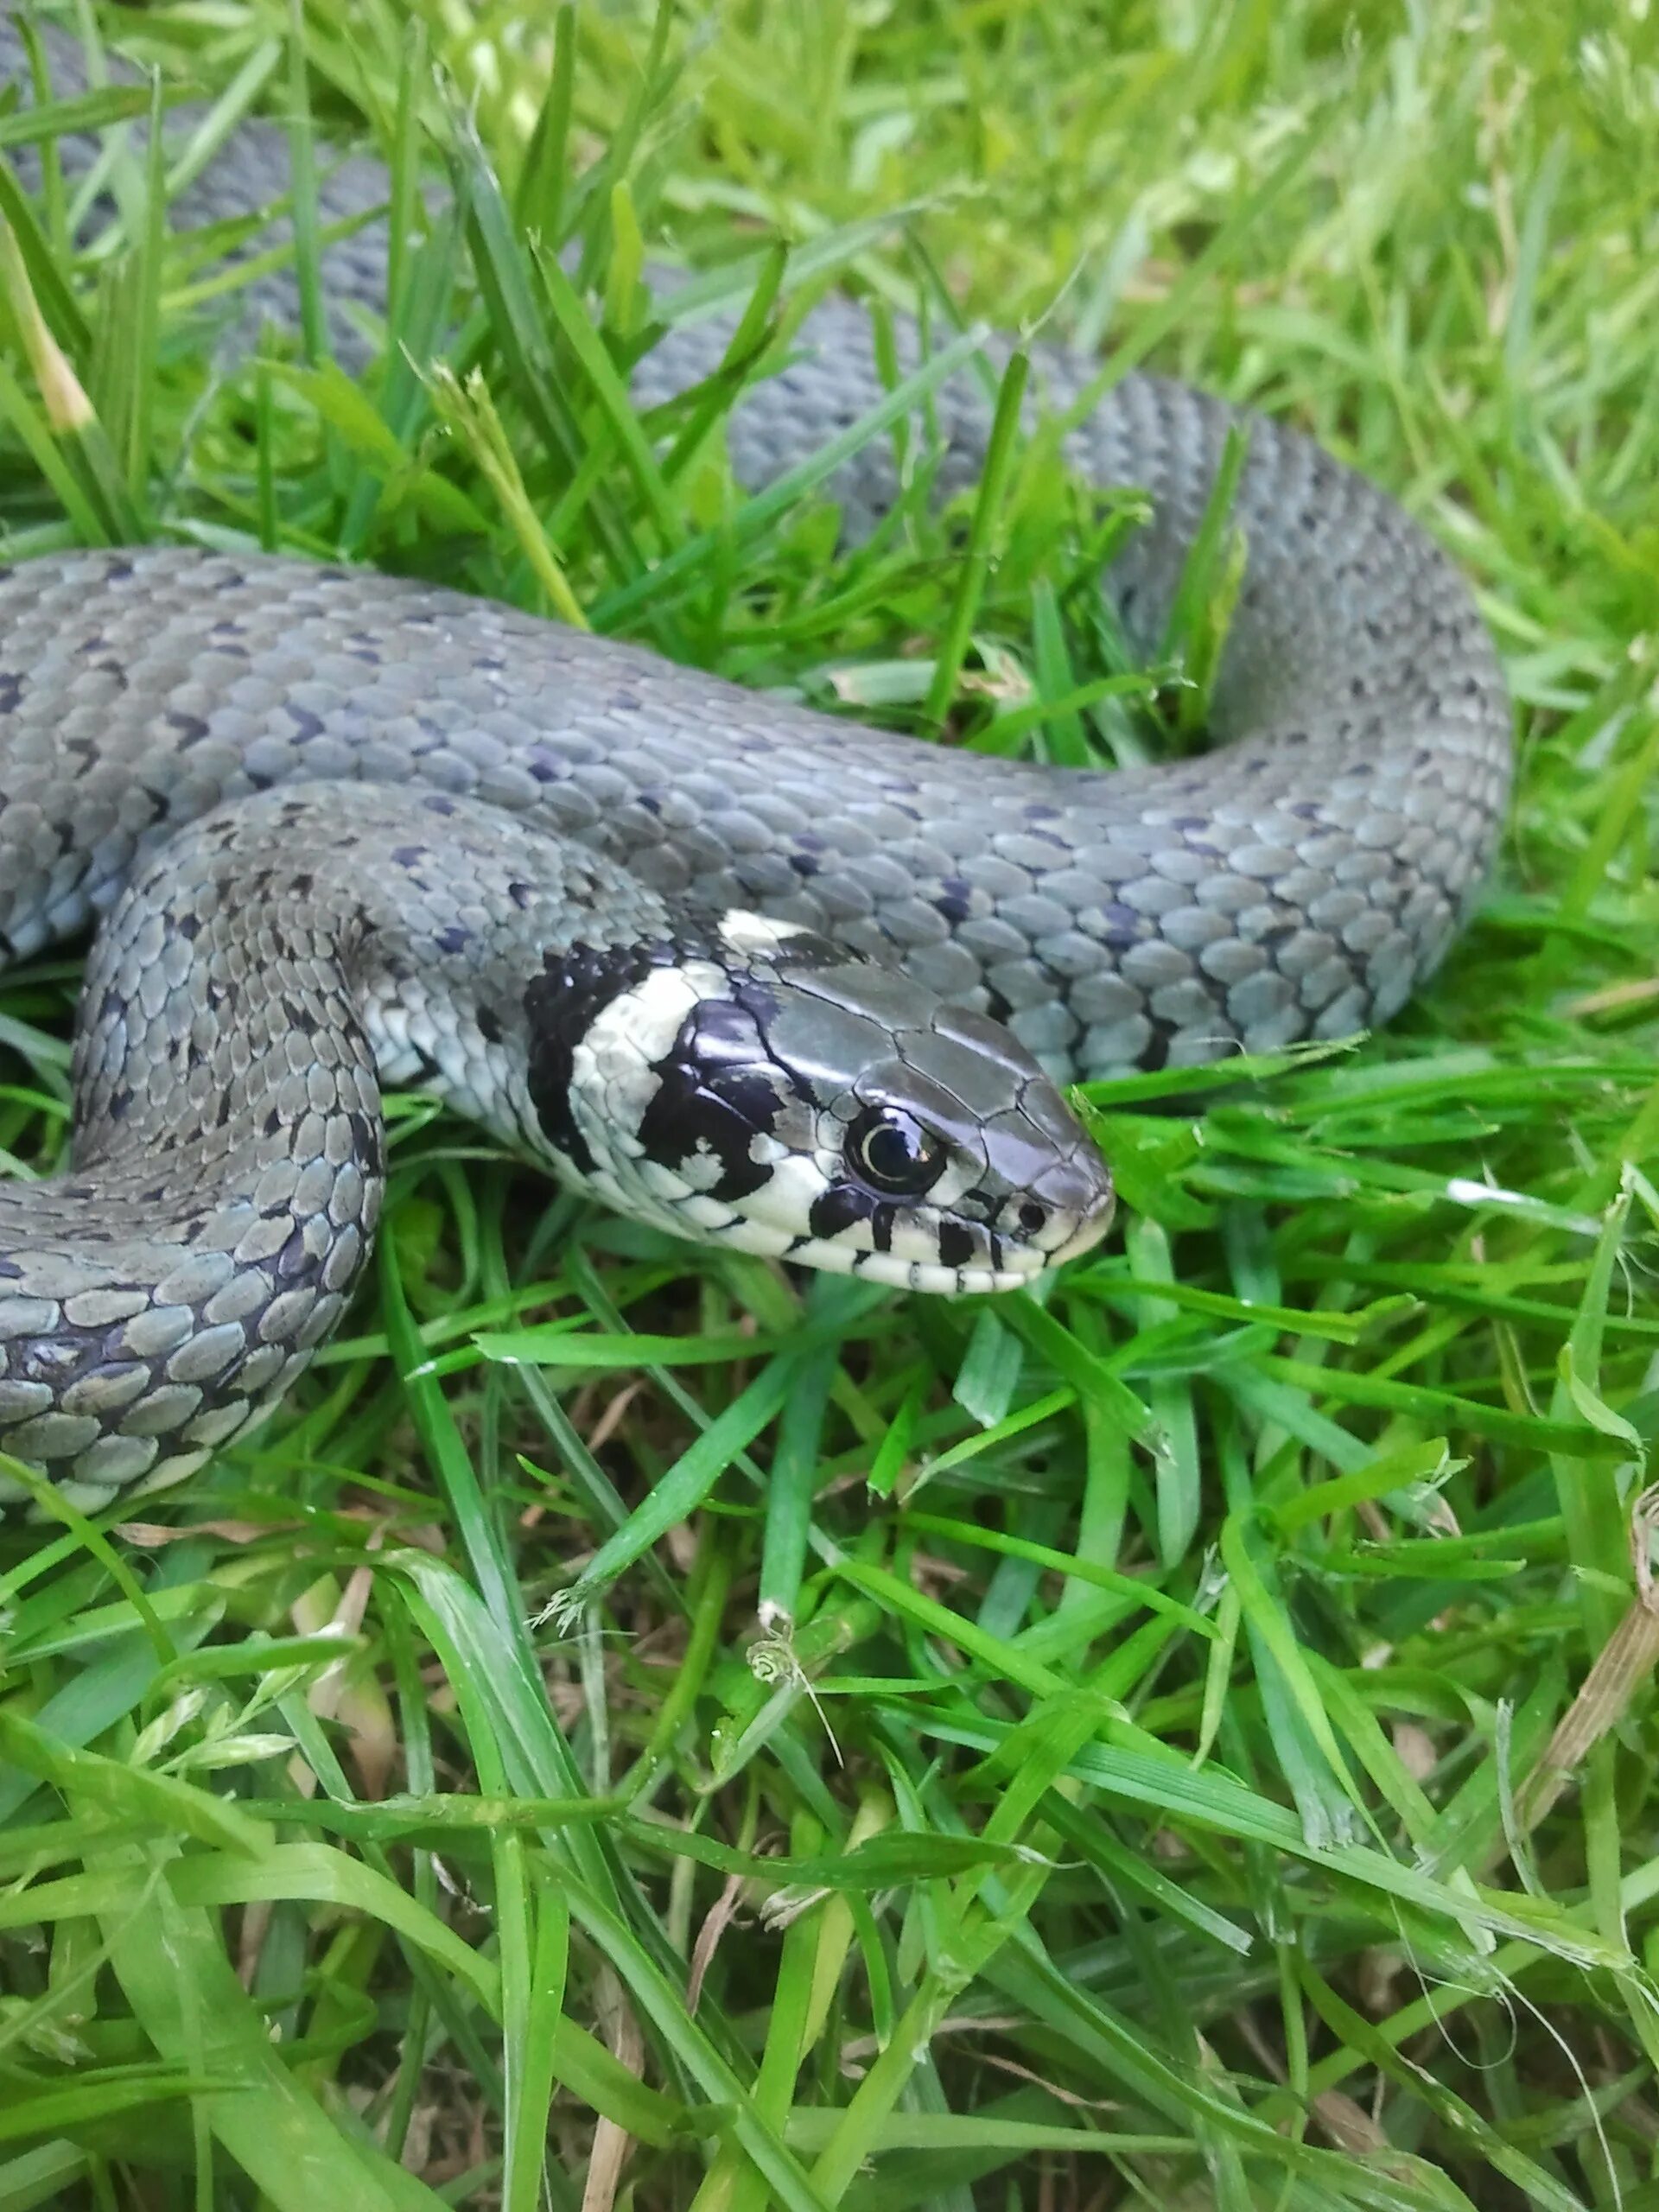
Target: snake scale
(744,970)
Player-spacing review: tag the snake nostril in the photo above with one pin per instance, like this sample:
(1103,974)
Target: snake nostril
(1033,1219)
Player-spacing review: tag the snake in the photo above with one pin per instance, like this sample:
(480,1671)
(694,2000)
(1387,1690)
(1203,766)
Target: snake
(739,969)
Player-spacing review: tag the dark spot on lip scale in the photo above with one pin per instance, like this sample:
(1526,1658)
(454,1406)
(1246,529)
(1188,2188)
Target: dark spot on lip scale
(956,1245)
(840,1208)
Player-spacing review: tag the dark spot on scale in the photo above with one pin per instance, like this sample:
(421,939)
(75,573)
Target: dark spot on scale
(273,1122)
(58,1360)
(956,1244)
(188,927)
(409,855)
(1039,811)
(954,899)
(624,702)
(190,729)
(804,864)
(521,894)
(489,1026)
(306,724)
(10,1270)
(11,690)
(454,938)
(293,1259)
(840,1208)
(1187,823)
(437,803)
(365,1141)
(1305,809)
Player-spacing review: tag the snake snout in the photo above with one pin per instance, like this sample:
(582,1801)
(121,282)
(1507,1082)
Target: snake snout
(1077,1199)
(1054,1187)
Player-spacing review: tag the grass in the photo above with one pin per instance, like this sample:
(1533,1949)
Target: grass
(640,1731)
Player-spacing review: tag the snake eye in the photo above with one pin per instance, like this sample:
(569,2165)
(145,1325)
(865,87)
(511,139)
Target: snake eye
(894,1153)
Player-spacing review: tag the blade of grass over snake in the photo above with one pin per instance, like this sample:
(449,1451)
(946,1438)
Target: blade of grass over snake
(757,513)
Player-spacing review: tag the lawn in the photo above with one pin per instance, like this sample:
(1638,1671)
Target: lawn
(642,1730)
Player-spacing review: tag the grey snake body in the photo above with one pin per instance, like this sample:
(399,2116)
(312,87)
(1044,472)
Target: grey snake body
(544,897)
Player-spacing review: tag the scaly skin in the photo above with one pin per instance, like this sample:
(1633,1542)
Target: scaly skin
(1300,882)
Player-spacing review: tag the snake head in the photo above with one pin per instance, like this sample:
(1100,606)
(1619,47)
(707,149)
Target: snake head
(761,1088)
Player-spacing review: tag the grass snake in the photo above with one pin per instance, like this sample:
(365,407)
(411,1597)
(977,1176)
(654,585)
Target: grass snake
(743,970)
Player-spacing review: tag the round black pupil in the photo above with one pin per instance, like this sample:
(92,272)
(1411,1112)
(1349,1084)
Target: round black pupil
(891,1151)
(895,1154)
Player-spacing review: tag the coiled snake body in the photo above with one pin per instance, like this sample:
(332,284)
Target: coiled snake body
(745,970)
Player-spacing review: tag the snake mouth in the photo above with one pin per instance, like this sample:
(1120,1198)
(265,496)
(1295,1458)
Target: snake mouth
(930,1277)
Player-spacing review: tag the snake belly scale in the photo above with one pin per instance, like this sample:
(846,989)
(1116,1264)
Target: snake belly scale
(745,971)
